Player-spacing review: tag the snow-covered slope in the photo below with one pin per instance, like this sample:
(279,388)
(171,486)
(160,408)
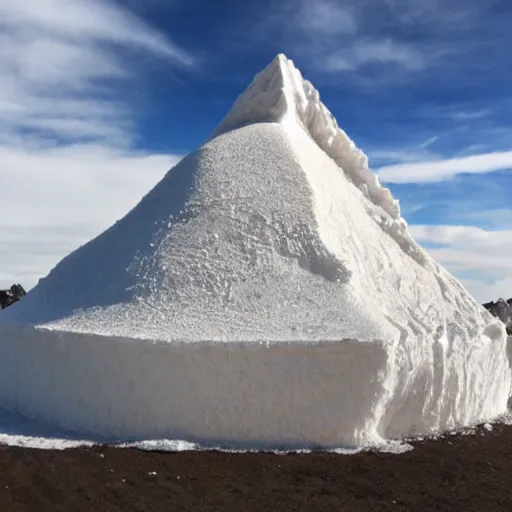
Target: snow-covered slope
(274,231)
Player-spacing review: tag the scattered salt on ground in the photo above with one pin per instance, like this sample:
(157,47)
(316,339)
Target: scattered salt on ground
(43,437)
(41,443)
(506,419)
(265,293)
(396,447)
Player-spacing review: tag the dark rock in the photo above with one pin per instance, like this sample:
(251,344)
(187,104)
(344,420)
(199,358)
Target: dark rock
(501,309)
(12,295)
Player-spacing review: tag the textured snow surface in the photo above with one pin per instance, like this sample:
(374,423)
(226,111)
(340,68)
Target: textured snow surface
(265,292)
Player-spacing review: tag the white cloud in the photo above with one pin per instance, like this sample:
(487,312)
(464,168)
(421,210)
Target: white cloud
(57,56)
(67,166)
(470,115)
(55,199)
(498,218)
(325,17)
(384,156)
(384,51)
(75,179)
(429,142)
(480,257)
(415,153)
(96,20)
(442,170)
(469,237)
(455,14)
(334,36)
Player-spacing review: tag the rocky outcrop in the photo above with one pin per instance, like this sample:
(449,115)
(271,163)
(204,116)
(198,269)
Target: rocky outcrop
(12,295)
(501,309)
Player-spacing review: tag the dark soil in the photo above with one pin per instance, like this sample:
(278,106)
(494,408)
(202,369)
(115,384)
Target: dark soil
(466,473)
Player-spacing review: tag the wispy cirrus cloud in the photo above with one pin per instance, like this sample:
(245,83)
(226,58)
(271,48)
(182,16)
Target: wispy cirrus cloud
(354,45)
(470,115)
(419,152)
(325,17)
(383,51)
(334,36)
(62,61)
(95,21)
(456,14)
(346,36)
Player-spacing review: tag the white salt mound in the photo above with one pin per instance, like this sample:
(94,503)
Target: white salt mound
(267,293)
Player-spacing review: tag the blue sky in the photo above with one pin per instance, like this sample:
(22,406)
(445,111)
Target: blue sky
(98,98)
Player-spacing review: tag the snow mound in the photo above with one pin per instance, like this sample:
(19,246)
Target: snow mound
(266,292)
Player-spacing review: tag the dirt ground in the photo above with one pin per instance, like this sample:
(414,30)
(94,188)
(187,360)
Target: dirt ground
(467,473)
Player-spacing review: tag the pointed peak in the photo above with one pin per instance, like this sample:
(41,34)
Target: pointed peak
(280,58)
(269,97)
(282,66)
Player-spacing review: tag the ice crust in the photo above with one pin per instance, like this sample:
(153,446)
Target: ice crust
(265,292)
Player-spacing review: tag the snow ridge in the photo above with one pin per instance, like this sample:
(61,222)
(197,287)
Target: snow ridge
(279,93)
